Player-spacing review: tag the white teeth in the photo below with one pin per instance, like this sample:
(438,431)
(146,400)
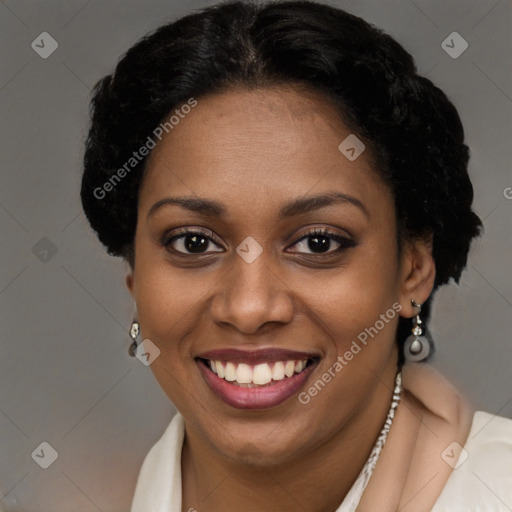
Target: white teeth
(262,374)
(220,369)
(230,372)
(289,368)
(257,375)
(278,371)
(243,374)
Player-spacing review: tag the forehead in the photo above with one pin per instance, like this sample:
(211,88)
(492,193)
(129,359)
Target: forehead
(263,145)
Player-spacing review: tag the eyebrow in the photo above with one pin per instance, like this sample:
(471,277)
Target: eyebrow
(298,206)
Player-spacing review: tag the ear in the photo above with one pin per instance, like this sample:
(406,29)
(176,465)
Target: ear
(130,282)
(418,272)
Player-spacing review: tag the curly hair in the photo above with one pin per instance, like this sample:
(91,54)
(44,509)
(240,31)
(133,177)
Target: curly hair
(413,131)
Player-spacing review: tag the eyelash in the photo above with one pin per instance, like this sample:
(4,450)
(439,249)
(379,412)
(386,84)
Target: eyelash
(345,243)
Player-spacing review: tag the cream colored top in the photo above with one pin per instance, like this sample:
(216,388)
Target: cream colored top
(482,483)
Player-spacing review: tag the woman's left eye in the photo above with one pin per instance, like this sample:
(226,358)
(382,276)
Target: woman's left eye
(319,242)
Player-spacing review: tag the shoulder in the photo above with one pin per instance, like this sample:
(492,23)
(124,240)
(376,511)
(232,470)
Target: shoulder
(482,477)
(159,484)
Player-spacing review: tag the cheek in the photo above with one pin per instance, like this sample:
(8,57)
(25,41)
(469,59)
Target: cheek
(164,295)
(166,303)
(351,304)
(360,291)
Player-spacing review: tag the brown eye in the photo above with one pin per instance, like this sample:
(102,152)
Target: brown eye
(320,242)
(190,242)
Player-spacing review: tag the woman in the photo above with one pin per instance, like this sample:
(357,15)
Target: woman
(289,194)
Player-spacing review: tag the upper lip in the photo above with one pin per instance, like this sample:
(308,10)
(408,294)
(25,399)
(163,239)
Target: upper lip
(263,355)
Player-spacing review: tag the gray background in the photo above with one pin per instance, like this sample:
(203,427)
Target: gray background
(65,376)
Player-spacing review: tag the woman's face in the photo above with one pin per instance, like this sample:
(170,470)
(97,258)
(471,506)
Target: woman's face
(250,278)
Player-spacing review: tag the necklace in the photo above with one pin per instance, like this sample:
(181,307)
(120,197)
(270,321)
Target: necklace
(353,497)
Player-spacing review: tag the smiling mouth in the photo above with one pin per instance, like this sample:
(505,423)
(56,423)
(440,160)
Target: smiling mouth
(257,375)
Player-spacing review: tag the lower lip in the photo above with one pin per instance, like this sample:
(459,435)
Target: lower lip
(262,397)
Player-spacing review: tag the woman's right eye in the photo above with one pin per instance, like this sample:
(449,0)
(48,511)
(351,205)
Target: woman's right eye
(189,242)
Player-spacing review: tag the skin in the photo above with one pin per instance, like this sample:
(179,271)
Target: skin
(253,151)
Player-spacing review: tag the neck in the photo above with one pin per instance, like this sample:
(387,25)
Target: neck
(212,483)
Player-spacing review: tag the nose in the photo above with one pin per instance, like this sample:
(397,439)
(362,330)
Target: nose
(252,295)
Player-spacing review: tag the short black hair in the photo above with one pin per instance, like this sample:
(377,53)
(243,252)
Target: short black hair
(414,132)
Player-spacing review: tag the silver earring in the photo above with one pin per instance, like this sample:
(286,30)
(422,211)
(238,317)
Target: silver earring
(134,334)
(416,347)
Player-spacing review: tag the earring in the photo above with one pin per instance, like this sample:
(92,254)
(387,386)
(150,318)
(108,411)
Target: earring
(134,334)
(416,347)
